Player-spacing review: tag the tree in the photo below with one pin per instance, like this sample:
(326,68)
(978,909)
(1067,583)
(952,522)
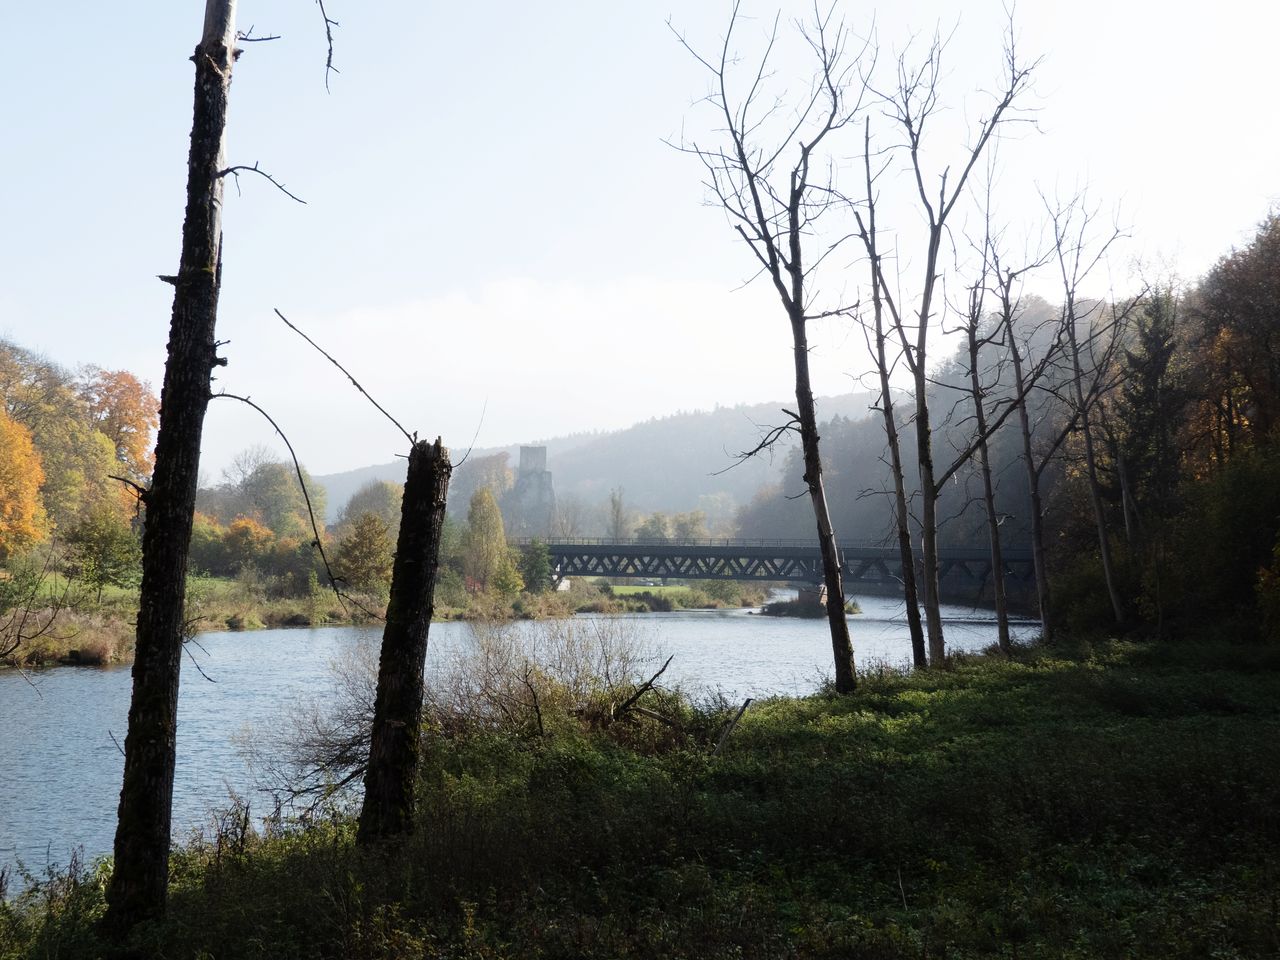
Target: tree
(76,458)
(22,518)
(126,412)
(619,516)
(139,880)
(378,497)
(691,526)
(656,528)
(912,104)
(485,544)
(535,566)
(1092,341)
(365,554)
(103,549)
(269,491)
(775,208)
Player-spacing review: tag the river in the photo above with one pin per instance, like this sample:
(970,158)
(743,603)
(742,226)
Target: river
(60,765)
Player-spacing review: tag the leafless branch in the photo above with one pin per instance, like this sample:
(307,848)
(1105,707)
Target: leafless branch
(242,168)
(329,24)
(412,438)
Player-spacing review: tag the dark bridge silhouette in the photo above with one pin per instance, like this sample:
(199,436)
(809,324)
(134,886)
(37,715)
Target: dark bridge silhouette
(792,560)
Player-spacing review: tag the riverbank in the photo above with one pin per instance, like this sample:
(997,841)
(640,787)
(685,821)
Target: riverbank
(98,630)
(1107,801)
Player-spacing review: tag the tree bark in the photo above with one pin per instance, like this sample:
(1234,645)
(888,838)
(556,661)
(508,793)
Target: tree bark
(988,491)
(139,880)
(841,644)
(1038,556)
(397,719)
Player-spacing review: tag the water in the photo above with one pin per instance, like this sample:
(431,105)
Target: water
(60,766)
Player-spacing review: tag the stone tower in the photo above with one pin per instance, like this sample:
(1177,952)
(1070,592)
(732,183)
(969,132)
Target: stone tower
(530,505)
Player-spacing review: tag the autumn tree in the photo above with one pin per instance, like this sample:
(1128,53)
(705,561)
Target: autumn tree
(364,554)
(77,458)
(126,412)
(484,549)
(22,518)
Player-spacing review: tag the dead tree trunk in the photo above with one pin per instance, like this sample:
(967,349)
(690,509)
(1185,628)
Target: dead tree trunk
(902,518)
(397,718)
(841,643)
(984,467)
(1038,554)
(139,881)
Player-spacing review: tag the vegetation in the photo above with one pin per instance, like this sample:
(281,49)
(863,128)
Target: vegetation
(1105,801)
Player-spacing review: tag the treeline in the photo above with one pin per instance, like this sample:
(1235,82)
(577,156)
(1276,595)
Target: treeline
(1151,453)
(75,449)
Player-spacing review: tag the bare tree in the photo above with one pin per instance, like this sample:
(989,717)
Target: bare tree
(911,105)
(1007,281)
(878,339)
(775,205)
(1077,257)
(139,880)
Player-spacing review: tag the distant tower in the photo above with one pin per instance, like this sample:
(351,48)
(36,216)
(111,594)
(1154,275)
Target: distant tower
(530,505)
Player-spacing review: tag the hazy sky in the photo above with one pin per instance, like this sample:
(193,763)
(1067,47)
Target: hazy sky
(493,219)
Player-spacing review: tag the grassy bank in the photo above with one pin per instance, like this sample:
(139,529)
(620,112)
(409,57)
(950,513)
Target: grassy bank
(1119,801)
(96,628)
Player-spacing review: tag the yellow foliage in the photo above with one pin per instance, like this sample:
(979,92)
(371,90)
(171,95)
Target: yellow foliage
(22,517)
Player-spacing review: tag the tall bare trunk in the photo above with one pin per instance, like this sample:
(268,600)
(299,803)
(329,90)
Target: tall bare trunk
(841,644)
(929,523)
(902,518)
(988,493)
(1037,507)
(139,880)
(1091,463)
(397,715)
(911,597)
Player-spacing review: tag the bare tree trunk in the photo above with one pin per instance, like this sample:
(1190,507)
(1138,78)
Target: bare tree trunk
(1037,507)
(902,517)
(929,523)
(841,644)
(919,656)
(139,880)
(397,717)
(988,490)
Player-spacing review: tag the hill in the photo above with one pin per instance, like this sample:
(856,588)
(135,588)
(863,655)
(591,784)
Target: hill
(673,464)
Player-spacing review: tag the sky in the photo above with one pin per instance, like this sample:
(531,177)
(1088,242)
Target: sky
(498,240)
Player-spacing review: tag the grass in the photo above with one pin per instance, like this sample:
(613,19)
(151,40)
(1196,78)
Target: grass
(1116,801)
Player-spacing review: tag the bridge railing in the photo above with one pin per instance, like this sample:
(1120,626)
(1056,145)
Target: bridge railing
(676,542)
(878,546)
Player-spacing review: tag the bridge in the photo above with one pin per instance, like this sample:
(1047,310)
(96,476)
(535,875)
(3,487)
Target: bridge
(764,560)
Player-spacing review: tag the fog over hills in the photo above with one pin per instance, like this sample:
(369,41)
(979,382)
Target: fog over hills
(674,464)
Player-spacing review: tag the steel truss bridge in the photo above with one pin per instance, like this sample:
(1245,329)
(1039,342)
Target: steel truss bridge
(789,560)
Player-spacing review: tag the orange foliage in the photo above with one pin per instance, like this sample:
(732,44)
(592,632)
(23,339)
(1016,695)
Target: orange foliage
(22,518)
(125,410)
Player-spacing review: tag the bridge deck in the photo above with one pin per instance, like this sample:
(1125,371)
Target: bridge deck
(762,560)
